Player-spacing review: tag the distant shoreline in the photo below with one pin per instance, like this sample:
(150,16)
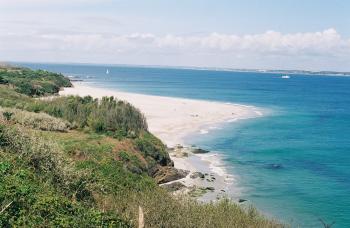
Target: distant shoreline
(172,120)
(224,69)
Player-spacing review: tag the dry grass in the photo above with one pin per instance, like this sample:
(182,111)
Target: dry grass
(40,121)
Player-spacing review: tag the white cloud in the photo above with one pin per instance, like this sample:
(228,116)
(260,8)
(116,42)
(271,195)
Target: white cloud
(269,43)
(228,47)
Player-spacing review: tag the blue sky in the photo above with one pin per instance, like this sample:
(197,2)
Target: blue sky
(288,34)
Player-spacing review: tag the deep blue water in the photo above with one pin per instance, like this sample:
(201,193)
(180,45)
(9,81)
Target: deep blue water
(293,164)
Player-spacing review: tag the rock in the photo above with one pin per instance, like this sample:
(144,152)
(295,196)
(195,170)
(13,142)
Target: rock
(274,166)
(241,200)
(185,154)
(175,186)
(197,174)
(210,188)
(166,174)
(199,151)
(178,146)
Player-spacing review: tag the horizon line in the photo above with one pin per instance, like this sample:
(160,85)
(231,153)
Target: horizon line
(259,70)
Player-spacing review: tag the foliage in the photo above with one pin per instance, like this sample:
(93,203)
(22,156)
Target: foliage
(33,83)
(152,147)
(107,116)
(116,118)
(7,115)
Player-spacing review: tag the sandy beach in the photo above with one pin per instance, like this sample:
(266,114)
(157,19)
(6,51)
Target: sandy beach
(173,119)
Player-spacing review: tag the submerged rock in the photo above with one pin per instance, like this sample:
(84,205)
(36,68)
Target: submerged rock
(199,151)
(275,166)
(241,200)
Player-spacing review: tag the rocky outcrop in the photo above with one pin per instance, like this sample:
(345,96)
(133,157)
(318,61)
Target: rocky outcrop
(166,174)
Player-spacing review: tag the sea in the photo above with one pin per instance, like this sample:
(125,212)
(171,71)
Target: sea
(293,163)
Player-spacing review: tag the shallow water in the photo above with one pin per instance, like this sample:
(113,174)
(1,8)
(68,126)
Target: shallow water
(293,163)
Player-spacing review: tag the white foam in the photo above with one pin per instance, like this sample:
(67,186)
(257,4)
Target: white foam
(214,127)
(258,113)
(203,132)
(215,163)
(232,120)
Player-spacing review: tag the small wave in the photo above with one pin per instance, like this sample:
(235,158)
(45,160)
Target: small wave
(259,113)
(215,163)
(230,179)
(231,120)
(203,132)
(214,127)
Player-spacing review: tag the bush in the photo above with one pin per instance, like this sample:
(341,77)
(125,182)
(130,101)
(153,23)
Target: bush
(3,80)
(106,115)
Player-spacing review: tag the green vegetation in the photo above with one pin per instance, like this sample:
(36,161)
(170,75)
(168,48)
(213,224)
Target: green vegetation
(80,162)
(116,118)
(33,83)
(39,187)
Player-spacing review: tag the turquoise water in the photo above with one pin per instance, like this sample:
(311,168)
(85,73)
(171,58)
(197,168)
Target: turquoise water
(293,164)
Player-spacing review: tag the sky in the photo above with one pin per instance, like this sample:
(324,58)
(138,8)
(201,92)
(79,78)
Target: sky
(253,34)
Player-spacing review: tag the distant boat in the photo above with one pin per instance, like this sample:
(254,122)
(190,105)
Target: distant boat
(285,76)
(107,71)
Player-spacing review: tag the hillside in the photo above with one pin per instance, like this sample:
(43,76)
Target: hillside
(81,162)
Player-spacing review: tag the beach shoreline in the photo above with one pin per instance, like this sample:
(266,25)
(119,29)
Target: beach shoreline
(174,119)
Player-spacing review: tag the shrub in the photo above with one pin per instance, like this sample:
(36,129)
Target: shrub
(106,115)
(3,80)
(7,115)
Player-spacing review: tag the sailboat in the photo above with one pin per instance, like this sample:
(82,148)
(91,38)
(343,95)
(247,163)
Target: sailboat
(107,71)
